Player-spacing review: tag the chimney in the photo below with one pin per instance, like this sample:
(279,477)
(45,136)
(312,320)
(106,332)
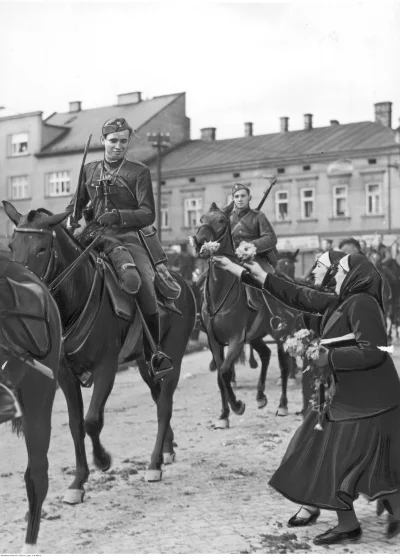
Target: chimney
(284,120)
(308,121)
(248,129)
(208,134)
(397,134)
(334,122)
(383,114)
(129,98)
(75,106)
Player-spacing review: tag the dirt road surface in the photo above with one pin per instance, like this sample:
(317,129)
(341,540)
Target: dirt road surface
(213,499)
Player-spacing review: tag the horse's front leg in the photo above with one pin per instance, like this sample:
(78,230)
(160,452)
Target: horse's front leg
(72,391)
(36,396)
(104,377)
(235,347)
(218,357)
(264,352)
(284,367)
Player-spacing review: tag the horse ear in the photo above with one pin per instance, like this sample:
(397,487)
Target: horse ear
(214,207)
(228,209)
(12,212)
(57,219)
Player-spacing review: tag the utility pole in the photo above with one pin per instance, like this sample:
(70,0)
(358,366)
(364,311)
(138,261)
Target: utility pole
(159,141)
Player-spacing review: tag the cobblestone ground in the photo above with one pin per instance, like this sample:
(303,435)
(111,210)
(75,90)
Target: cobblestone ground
(213,499)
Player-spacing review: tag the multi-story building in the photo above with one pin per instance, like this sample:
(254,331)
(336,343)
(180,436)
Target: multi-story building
(40,159)
(333,182)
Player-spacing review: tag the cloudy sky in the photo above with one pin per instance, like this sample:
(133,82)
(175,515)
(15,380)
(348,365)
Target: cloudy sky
(237,62)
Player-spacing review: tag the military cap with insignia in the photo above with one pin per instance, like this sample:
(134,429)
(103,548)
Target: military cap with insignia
(116,125)
(238,187)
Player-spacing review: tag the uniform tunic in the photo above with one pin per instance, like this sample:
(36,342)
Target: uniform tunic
(358,450)
(253,226)
(130,196)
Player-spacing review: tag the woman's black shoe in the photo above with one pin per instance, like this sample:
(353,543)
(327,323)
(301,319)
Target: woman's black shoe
(301,521)
(393,528)
(331,536)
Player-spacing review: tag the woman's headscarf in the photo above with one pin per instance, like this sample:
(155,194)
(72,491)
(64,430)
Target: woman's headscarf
(333,257)
(363,276)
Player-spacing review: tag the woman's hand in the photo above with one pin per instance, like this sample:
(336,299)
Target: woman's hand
(256,271)
(226,264)
(323,357)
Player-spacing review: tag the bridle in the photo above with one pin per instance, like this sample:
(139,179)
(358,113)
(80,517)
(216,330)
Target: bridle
(49,269)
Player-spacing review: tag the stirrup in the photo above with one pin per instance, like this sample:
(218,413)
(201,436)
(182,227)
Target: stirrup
(160,365)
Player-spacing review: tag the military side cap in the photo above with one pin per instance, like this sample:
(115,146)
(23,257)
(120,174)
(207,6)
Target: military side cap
(116,125)
(238,187)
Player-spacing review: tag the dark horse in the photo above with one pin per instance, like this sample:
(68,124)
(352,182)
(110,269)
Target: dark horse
(96,339)
(230,322)
(30,341)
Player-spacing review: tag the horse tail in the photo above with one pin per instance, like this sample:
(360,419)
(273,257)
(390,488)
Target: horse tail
(17,426)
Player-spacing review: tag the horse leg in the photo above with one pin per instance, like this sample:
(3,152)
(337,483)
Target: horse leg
(253,362)
(264,353)
(73,395)
(232,378)
(36,396)
(225,372)
(104,377)
(218,356)
(284,367)
(212,366)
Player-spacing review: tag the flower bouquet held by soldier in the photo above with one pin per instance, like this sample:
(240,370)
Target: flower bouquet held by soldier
(117,194)
(358,449)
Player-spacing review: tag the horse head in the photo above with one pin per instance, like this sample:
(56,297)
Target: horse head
(33,240)
(286,262)
(213,228)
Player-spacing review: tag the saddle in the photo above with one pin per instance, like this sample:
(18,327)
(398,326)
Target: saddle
(23,318)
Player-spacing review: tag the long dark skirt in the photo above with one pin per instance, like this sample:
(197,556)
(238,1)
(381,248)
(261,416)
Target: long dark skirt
(330,468)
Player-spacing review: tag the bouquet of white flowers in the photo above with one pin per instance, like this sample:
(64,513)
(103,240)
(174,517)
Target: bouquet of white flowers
(246,251)
(304,344)
(208,249)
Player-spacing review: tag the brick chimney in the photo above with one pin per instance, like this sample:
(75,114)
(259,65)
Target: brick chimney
(248,129)
(383,113)
(208,134)
(284,121)
(75,106)
(334,122)
(308,121)
(129,98)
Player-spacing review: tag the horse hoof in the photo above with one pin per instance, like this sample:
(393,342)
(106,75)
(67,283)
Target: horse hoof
(282,412)
(240,408)
(153,475)
(222,424)
(169,458)
(74,496)
(262,403)
(28,549)
(104,463)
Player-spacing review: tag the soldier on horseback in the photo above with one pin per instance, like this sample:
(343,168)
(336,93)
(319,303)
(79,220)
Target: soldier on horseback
(252,226)
(117,193)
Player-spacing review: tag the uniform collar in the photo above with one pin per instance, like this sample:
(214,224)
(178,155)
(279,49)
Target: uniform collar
(241,212)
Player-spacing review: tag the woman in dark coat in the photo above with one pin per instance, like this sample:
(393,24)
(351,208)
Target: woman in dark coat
(358,450)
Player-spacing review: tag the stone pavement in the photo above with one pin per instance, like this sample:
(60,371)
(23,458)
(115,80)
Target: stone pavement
(213,499)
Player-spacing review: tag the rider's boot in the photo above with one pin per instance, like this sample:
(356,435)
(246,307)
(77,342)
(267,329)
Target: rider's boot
(126,269)
(160,363)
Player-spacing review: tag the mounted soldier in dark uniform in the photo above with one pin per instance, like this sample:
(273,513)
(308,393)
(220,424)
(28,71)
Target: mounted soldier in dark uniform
(117,193)
(250,225)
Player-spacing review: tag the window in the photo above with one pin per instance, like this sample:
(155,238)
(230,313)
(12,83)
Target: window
(192,180)
(373,193)
(281,171)
(58,183)
(340,205)
(306,167)
(307,203)
(193,209)
(19,187)
(236,174)
(281,205)
(19,144)
(371,161)
(164,214)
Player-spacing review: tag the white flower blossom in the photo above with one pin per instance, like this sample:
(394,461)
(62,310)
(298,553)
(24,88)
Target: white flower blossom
(246,251)
(209,248)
